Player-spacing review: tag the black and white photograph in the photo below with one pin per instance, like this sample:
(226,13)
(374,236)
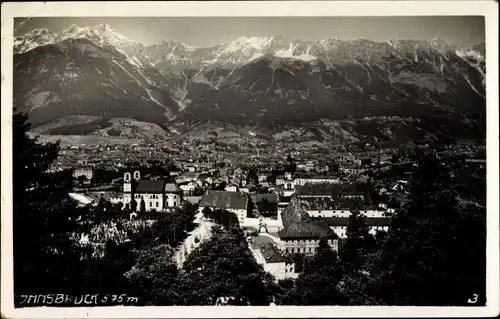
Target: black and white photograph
(173,159)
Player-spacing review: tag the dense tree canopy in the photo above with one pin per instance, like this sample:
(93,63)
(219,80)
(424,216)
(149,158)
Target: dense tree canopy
(318,284)
(223,269)
(423,260)
(221,217)
(43,218)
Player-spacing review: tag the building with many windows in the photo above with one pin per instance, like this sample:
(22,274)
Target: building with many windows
(300,233)
(157,195)
(334,204)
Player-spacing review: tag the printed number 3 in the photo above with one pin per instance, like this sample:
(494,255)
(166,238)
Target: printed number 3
(473,299)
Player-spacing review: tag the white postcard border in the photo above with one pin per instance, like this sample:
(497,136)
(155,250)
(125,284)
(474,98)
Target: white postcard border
(489,9)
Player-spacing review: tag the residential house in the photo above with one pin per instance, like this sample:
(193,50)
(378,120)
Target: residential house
(270,257)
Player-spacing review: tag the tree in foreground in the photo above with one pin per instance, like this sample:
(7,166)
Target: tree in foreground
(224,271)
(318,284)
(357,254)
(155,277)
(423,259)
(45,258)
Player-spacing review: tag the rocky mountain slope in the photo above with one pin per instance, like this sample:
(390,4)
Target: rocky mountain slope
(270,83)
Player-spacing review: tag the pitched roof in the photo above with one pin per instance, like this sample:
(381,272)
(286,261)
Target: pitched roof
(172,188)
(298,224)
(192,199)
(150,186)
(297,230)
(223,199)
(294,212)
(271,253)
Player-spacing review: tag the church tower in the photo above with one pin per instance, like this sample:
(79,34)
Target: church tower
(127,182)
(290,167)
(130,180)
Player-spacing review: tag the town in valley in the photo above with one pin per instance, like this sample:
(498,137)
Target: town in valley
(260,170)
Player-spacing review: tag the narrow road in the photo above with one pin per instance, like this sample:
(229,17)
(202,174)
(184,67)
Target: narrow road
(200,234)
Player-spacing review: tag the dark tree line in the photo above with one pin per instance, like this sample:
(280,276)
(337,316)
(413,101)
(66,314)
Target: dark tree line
(43,218)
(221,217)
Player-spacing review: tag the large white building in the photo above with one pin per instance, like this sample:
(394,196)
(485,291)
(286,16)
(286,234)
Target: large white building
(157,195)
(334,204)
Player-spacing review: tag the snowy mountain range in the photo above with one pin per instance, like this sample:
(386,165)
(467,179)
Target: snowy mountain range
(270,81)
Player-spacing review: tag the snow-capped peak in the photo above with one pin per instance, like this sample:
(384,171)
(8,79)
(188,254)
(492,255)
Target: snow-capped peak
(38,32)
(32,39)
(256,43)
(100,34)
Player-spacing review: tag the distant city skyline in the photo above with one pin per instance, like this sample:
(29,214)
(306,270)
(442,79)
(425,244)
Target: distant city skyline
(461,31)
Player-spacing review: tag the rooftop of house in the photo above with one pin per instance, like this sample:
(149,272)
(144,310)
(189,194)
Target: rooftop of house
(172,188)
(223,199)
(271,253)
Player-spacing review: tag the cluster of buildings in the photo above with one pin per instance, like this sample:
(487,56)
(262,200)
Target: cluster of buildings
(301,207)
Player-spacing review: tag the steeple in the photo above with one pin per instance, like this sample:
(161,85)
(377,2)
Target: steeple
(290,166)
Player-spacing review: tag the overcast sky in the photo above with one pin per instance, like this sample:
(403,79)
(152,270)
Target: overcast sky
(462,31)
